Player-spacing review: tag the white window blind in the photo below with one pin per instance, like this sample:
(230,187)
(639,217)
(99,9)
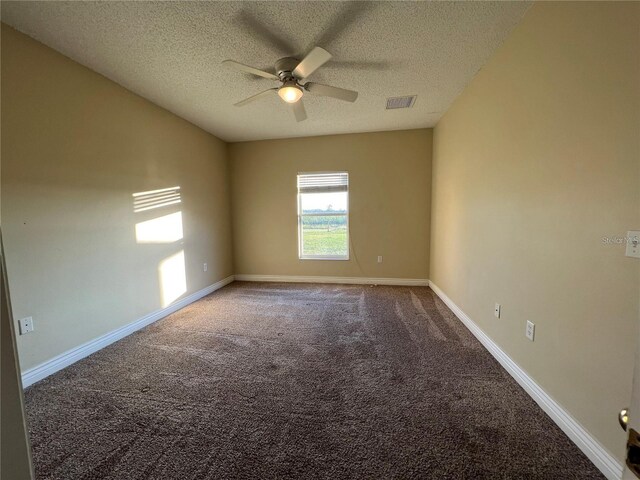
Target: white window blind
(323,182)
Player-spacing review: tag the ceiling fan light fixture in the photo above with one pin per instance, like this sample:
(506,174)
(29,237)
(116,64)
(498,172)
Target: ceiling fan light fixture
(293,73)
(290,92)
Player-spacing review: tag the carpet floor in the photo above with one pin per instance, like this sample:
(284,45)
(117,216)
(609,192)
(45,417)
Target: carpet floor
(283,381)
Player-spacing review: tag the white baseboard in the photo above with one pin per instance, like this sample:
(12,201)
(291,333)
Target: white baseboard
(415,282)
(37,373)
(594,450)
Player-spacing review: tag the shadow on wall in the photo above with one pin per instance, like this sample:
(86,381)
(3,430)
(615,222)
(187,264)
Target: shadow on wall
(165,229)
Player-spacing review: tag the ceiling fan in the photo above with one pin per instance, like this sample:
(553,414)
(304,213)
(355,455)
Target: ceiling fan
(291,73)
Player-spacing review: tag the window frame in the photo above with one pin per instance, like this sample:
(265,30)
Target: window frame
(301,256)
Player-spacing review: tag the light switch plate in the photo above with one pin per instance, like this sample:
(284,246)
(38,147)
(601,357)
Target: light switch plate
(497,310)
(633,244)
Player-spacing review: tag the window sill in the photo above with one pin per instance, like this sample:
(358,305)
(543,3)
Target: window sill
(319,257)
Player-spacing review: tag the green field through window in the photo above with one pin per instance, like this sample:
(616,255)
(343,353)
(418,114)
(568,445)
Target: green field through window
(325,236)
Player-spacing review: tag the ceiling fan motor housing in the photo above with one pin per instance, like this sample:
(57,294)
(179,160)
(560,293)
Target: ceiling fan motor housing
(285,67)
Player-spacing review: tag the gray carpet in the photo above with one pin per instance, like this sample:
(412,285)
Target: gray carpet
(279,381)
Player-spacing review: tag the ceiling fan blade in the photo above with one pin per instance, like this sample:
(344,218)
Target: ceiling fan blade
(299,111)
(246,68)
(309,64)
(329,91)
(254,97)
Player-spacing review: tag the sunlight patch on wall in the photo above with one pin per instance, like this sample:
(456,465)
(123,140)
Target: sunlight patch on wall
(143,201)
(165,229)
(173,278)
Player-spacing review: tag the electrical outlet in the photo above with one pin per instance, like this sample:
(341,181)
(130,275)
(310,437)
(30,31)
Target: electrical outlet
(26,325)
(633,244)
(204,267)
(530,332)
(497,310)
(379,258)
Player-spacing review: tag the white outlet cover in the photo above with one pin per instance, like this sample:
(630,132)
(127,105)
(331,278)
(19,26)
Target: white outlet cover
(530,331)
(25,325)
(204,267)
(633,244)
(497,310)
(379,258)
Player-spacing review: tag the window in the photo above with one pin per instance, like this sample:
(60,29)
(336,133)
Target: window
(323,216)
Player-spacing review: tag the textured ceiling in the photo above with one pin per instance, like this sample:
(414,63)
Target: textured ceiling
(170,53)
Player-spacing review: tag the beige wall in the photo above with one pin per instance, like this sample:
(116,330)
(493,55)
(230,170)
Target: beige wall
(75,147)
(535,163)
(389,201)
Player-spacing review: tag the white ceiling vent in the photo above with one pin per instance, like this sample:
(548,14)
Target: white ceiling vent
(401,102)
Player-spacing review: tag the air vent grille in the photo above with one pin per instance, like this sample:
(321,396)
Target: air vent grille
(401,102)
